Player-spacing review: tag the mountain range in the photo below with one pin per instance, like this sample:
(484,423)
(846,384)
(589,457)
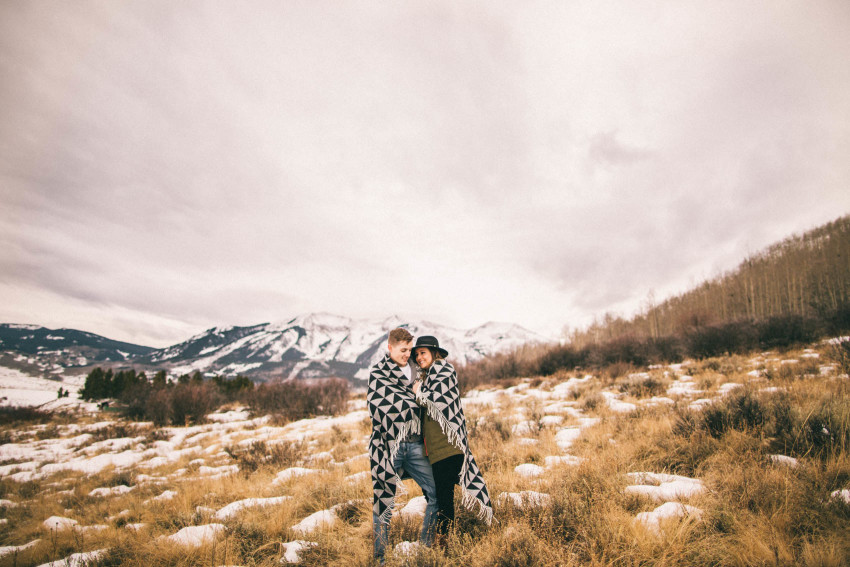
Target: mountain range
(315,345)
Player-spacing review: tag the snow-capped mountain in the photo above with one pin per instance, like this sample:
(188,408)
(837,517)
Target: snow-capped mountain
(321,344)
(315,345)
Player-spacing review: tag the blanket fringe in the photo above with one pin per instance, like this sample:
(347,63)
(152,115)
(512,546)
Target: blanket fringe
(470,502)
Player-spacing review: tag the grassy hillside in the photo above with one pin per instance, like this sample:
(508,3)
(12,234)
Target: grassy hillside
(747,454)
(805,276)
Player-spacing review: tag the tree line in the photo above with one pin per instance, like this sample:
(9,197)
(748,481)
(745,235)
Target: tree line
(792,293)
(804,276)
(191,397)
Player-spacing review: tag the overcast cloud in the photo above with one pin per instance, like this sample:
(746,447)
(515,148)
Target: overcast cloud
(170,166)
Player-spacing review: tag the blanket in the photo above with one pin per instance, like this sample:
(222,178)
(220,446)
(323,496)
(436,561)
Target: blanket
(395,414)
(440,396)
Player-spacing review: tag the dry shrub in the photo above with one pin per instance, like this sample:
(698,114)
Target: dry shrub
(839,353)
(261,454)
(293,400)
(643,387)
(20,415)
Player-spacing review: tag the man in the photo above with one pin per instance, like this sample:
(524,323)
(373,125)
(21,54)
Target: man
(396,449)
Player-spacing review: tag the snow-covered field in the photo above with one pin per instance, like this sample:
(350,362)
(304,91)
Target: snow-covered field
(20,389)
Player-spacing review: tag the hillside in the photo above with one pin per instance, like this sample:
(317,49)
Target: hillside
(737,460)
(806,275)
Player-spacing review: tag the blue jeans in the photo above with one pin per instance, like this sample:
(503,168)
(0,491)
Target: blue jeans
(411,462)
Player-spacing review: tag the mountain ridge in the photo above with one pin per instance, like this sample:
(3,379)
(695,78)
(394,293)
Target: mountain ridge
(310,345)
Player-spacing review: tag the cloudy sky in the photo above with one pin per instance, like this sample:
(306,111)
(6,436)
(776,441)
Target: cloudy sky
(170,166)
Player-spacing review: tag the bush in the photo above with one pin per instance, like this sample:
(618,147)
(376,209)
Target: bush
(22,414)
(741,411)
(191,402)
(706,342)
(297,400)
(561,358)
(786,330)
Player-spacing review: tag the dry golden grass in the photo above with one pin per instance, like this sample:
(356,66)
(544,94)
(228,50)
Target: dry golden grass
(755,511)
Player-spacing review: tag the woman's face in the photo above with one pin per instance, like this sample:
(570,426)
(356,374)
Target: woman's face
(424,358)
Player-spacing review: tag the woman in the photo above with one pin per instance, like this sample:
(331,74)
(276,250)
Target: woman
(446,442)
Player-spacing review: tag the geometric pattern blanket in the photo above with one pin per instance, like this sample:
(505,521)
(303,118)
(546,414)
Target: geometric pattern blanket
(395,414)
(440,395)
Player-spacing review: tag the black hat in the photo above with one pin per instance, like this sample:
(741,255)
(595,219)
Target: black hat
(430,342)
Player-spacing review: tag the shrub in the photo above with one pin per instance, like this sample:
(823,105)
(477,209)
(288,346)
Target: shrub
(22,414)
(191,402)
(740,411)
(561,358)
(839,352)
(292,400)
(705,342)
(259,453)
(785,330)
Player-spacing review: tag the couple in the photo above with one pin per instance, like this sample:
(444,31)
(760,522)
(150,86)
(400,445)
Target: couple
(419,432)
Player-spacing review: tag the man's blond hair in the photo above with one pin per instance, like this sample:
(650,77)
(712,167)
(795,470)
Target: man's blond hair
(400,335)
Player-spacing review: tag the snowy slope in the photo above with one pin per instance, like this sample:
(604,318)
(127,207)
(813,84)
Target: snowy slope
(314,345)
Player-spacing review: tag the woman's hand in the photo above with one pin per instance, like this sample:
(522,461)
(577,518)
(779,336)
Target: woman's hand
(416,386)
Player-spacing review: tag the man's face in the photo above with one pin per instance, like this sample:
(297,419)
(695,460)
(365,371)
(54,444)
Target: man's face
(400,352)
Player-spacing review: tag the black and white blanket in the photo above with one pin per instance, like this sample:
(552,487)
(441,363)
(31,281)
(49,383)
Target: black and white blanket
(395,414)
(440,395)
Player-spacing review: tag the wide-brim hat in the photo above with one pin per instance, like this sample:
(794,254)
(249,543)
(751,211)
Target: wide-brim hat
(430,342)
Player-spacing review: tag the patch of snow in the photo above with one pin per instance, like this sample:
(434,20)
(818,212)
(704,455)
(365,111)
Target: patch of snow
(59,523)
(229,416)
(683,388)
(700,403)
(566,437)
(235,507)
(663,487)
(616,405)
(551,420)
(529,470)
(77,559)
(784,460)
(653,521)
(407,549)
(166,495)
(728,387)
(292,472)
(292,550)
(557,460)
(196,536)
(112,491)
(316,520)
(526,498)
(523,428)
(416,507)
(358,477)
(216,472)
(10,549)
(841,495)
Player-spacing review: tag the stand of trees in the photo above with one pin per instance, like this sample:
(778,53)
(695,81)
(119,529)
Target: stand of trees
(794,292)
(189,398)
(806,276)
